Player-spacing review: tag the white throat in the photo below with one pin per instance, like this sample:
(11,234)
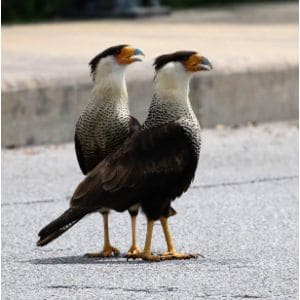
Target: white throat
(170,101)
(171,83)
(109,82)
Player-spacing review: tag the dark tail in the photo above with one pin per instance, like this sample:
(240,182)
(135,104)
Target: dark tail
(60,225)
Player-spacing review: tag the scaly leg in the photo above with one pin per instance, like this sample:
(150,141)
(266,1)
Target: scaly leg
(108,249)
(171,253)
(146,254)
(134,249)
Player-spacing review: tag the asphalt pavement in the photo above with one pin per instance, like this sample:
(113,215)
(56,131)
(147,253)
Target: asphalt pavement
(241,213)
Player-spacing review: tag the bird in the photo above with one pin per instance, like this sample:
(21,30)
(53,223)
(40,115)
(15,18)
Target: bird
(154,166)
(105,123)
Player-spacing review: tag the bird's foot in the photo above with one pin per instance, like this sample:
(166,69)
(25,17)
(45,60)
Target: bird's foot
(164,256)
(108,251)
(144,256)
(169,255)
(134,249)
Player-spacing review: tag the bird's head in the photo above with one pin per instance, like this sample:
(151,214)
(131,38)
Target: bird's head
(173,72)
(186,61)
(115,58)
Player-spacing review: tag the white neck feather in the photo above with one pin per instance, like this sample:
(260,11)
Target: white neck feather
(110,84)
(171,84)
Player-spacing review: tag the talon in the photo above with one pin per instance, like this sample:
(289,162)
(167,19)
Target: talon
(199,254)
(134,250)
(153,258)
(106,252)
(143,256)
(132,256)
(169,255)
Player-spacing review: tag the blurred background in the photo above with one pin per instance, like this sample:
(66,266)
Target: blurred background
(46,47)
(36,10)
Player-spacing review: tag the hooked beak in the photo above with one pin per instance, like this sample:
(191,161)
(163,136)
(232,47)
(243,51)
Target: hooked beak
(196,63)
(205,64)
(137,55)
(129,55)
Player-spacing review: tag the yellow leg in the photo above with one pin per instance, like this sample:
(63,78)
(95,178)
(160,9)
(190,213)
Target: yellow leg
(134,249)
(146,254)
(108,249)
(171,253)
(147,247)
(167,233)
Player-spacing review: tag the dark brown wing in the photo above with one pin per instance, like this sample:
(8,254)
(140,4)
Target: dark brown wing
(79,155)
(134,125)
(87,161)
(151,161)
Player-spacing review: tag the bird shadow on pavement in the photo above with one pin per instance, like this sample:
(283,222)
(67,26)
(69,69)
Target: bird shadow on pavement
(82,260)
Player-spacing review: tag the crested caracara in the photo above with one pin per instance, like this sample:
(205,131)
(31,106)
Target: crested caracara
(105,123)
(154,166)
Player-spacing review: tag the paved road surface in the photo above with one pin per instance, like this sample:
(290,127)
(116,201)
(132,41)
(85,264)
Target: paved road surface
(241,214)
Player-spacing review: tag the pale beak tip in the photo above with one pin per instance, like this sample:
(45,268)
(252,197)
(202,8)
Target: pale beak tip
(138,52)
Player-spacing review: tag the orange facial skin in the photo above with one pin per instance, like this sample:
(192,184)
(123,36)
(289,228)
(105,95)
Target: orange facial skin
(125,57)
(197,63)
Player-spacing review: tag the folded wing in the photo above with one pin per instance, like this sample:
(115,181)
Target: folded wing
(151,161)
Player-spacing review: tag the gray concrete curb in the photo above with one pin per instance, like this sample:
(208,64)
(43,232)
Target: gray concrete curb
(46,111)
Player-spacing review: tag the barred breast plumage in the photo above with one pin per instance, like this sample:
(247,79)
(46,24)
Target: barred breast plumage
(162,112)
(100,130)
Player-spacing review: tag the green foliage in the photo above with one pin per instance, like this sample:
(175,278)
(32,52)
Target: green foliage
(195,3)
(32,10)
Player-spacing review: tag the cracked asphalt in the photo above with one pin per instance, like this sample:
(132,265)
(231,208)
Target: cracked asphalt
(241,213)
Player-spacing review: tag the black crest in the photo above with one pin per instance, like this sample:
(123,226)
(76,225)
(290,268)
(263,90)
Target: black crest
(109,51)
(162,60)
